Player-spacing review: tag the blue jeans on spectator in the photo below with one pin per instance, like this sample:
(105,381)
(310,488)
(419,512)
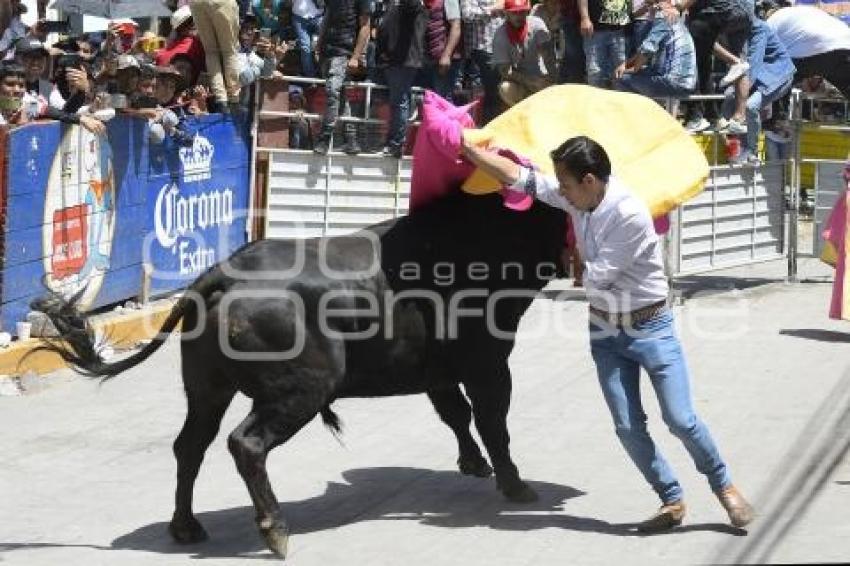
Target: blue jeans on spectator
(335,70)
(651,84)
(640,29)
(619,354)
(573,66)
(755,103)
(399,82)
(604,50)
(429,77)
(490,82)
(305,29)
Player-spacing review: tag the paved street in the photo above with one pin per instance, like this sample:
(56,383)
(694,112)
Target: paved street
(87,474)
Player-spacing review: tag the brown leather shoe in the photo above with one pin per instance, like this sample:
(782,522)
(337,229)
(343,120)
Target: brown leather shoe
(667,517)
(740,512)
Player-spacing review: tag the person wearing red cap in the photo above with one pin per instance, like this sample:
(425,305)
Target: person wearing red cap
(522,53)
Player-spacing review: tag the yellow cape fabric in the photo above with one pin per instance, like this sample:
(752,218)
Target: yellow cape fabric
(649,150)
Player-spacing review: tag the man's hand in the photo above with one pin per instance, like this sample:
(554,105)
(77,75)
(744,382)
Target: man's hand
(444,64)
(620,71)
(586,27)
(93,125)
(77,79)
(353,65)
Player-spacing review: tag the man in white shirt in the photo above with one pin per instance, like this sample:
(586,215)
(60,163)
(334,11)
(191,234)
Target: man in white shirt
(818,43)
(630,324)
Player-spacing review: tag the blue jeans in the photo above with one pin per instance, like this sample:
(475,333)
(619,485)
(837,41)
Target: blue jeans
(650,84)
(430,78)
(492,105)
(619,355)
(335,70)
(604,51)
(305,28)
(399,81)
(755,103)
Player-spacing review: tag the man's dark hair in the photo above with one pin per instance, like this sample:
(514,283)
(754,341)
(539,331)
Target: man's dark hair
(581,155)
(12,69)
(147,73)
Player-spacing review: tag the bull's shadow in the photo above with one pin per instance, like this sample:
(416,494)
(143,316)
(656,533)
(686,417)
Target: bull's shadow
(436,498)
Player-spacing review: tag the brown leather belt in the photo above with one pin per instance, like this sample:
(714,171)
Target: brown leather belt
(623,319)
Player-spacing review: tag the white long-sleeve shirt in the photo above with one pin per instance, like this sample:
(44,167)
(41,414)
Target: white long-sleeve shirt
(624,267)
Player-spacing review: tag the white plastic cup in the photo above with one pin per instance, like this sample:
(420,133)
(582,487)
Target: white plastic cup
(24,329)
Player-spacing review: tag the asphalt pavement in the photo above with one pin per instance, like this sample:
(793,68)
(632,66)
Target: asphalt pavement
(87,473)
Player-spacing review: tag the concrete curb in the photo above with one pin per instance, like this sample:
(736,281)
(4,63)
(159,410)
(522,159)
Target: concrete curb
(123,329)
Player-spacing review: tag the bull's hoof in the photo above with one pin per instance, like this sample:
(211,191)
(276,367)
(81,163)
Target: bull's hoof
(519,492)
(187,531)
(277,539)
(475,466)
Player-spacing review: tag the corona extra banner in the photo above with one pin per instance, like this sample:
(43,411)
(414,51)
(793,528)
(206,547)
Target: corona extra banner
(89,215)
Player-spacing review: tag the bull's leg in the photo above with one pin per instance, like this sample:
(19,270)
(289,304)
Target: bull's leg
(264,428)
(454,410)
(490,403)
(205,411)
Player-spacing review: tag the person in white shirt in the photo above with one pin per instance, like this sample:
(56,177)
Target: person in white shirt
(818,43)
(631,326)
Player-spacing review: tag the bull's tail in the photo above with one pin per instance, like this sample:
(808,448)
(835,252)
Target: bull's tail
(77,342)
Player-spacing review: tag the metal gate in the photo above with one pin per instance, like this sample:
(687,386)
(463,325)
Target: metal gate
(739,218)
(311,195)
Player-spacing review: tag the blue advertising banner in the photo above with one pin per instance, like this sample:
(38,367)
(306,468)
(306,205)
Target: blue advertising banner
(838,8)
(85,213)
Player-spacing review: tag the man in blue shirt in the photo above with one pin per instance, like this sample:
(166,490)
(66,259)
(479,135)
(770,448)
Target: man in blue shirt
(771,77)
(665,63)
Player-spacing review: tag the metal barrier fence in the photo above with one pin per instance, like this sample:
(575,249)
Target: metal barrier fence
(747,213)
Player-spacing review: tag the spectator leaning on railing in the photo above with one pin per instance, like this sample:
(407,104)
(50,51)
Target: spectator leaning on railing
(664,64)
(772,74)
(18,107)
(185,44)
(818,43)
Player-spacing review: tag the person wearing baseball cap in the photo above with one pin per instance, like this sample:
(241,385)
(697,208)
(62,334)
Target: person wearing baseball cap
(522,53)
(32,54)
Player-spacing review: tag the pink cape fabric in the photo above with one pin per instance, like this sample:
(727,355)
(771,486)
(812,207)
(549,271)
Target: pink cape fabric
(437,165)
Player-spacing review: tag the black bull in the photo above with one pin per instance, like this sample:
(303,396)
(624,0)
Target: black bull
(428,302)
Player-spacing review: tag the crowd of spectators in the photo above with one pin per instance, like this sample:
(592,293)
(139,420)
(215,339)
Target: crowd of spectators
(211,51)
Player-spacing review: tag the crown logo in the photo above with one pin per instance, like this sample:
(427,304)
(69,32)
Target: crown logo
(197,160)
